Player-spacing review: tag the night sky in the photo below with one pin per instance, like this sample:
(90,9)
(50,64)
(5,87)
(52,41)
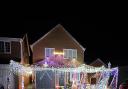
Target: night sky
(105,41)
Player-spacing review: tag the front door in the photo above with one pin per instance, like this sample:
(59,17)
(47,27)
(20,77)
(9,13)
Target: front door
(45,79)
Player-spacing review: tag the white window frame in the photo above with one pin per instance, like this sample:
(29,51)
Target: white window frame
(5,47)
(5,52)
(64,53)
(48,48)
(76,53)
(68,53)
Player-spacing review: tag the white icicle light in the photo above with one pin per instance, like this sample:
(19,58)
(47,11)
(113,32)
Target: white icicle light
(82,68)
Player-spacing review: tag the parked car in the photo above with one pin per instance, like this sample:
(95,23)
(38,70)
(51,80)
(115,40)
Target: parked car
(124,85)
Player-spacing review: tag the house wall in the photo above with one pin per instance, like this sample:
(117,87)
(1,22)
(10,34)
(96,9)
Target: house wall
(59,40)
(15,53)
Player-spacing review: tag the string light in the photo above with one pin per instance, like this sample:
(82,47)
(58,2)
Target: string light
(58,53)
(102,83)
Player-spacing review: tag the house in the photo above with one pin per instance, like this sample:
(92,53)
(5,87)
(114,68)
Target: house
(59,47)
(57,41)
(98,63)
(16,49)
(10,48)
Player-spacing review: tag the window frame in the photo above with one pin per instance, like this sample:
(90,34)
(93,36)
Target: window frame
(49,48)
(68,57)
(76,53)
(5,51)
(2,51)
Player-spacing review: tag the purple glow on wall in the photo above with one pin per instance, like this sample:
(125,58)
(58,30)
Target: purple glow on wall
(55,61)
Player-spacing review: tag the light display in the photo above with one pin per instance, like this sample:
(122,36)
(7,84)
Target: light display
(75,74)
(58,53)
(81,68)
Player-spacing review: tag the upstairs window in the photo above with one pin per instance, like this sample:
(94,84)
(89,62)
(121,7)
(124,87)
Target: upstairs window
(74,53)
(70,53)
(49,52)
(1,47)
(5,47)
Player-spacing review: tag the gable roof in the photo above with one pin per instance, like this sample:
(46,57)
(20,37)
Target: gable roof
(97,63)
(58,26)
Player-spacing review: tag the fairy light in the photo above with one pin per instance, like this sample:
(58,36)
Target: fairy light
(81,68)
(58,53)
(102,83)
(45,64)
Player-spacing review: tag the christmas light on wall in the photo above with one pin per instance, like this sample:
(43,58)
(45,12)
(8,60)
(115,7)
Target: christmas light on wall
(81,68)
(58,53)
(73,71)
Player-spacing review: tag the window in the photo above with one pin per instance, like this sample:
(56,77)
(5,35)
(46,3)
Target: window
(1,46)
(70,53)
(5,47)
(74,53)
(49,52)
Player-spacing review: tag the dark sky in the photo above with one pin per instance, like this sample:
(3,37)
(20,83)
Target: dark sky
(105,41)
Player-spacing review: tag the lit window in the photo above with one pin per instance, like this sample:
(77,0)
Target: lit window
(70,53)
(49,52)
(5,47)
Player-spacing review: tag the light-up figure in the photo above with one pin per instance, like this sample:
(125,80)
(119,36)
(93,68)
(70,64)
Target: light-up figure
(45,64)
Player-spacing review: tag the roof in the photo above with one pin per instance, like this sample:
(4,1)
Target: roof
(58,26)
(10,39)
(97,63)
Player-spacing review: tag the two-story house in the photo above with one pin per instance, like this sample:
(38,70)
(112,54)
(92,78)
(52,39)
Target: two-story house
(61,48)
(12,49)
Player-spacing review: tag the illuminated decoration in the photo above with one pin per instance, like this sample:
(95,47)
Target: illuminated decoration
(20,69)
(81,68)
(58,53)
(45,64)
(78,75)
(113,84)
(8,81)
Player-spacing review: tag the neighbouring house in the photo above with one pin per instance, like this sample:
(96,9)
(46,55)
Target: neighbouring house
(12,49)
(98,63)
(16,49)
